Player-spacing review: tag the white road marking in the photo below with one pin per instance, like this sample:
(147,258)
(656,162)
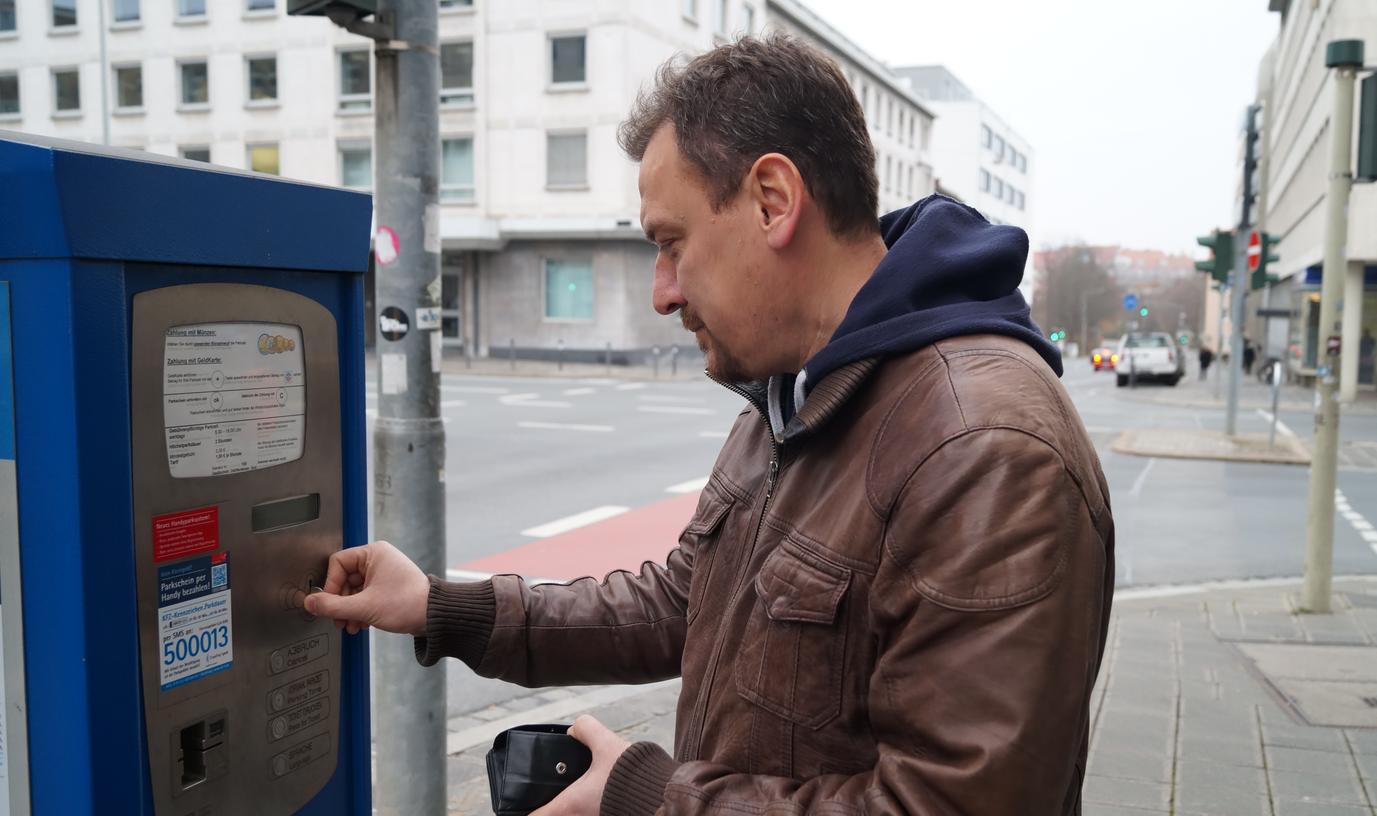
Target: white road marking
(597,381)
(692,485)
(630,386)
(532,400)
(663,398)
(557,711)
(474,389)
(674,409)
(1360,525)
(579,392)
(1142,477)
(564,525)
(564,426)
(713,434)
(1172,590)
(1281,426)
(453,404)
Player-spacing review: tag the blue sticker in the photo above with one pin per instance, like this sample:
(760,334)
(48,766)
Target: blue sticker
(195,632)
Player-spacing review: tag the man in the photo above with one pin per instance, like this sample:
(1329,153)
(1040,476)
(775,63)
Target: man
(1206,357)
(894,593)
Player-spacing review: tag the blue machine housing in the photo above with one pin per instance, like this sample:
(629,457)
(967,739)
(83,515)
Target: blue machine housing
(82,230)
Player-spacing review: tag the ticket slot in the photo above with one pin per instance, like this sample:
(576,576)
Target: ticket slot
(279,514)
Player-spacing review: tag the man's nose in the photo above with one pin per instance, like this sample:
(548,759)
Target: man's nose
(665,294)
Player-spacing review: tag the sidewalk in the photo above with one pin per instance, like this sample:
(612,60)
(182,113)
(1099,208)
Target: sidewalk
(685,367)
(1192,392)
(1217,700)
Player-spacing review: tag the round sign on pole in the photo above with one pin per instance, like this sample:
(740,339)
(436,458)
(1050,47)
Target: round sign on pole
(1254,250)
(1130,302)
(386,246)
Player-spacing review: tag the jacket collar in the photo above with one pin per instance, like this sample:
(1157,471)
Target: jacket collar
(824,399)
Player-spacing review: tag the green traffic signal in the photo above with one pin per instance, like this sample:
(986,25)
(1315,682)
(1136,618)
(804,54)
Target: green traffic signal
(1221,246)
(1260,277)
(1143,311)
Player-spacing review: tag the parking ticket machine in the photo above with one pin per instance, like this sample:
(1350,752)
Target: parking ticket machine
(184,404)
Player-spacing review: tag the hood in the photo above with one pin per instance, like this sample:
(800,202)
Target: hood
(948,272)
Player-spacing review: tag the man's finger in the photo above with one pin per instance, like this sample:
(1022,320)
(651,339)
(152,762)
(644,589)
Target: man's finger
(328,605)
(587,730)
(344,563)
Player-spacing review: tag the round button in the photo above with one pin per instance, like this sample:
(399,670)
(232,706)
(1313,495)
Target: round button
(279,700)
(279,766)
(277,661)
(279,728)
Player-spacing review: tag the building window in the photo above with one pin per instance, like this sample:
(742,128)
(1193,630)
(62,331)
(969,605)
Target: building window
(453,5)
(356,165)
(566,160)
(568,60)
(1011,194)
(264,158)
(986,136)
(456,73)
(126,11)
(200,153)
(568,290)
(748,19)
(720,23)
(1021,200)
(64,13)
(456,169)
(889,171)
(690,9)
(195,78)
(66,91)
(355,81)
(912,190)
(262,76)
(9,94)
(191,9)
(984,180)
(7,19)
(998,188)
(260,6)
(998,147)
(128,88)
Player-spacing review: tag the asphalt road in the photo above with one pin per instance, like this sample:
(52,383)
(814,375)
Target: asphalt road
(567,465)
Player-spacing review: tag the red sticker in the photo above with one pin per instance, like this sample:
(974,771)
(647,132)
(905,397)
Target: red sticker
(185,533)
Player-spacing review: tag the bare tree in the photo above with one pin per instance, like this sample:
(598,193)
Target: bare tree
(1074,289)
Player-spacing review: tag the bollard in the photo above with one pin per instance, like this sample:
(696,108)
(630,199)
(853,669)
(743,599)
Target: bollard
(673,361)
(607,358)
(511,353)
(655,360)
(559,354)
(1276,397)
(468,355)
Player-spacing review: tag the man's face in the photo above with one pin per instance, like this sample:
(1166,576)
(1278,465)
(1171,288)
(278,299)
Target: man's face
(711,265)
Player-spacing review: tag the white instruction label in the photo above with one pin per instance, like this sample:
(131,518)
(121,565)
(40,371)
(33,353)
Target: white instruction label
(234,397)
(194,623)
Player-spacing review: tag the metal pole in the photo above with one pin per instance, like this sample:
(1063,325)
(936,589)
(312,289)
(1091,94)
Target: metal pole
(1085,342)
(1219,345)
(673,361)
(1352,331)
(1319,530)
(1241,279)
(559,355)
(409,440)
(104,79)
(607,358)
(511,352)
(655,354)
(1276,397)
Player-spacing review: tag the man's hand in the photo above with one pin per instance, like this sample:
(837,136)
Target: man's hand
(584,797)
(374,585)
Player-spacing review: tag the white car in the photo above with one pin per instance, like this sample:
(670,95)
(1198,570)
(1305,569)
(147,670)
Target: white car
(1149,356)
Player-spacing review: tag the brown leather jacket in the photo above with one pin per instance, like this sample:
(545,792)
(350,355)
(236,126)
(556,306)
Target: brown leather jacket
(897,605)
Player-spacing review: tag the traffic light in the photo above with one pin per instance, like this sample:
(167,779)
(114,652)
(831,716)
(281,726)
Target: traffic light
(1143,311)
(1260,276)
(1221,246)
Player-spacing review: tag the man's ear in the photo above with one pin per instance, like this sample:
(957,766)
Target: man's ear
(776,194)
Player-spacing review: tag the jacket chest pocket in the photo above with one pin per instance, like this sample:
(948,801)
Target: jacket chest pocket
(701,538)
(791,659)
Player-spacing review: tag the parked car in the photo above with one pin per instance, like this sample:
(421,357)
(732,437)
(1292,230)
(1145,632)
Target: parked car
(1103,358)
(1149,356)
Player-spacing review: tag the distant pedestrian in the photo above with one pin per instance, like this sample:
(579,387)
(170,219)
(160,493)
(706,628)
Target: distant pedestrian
(1367,347)
(1249,354)
(1206,357)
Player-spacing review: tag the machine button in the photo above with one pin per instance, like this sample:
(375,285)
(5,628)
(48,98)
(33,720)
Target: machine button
(299,756)
(299,653)
(299,719)
(301,690)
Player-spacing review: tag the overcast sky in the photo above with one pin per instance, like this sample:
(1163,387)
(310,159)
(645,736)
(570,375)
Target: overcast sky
(1132,108)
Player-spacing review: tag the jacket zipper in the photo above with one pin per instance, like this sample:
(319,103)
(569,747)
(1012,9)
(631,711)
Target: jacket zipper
(771,481)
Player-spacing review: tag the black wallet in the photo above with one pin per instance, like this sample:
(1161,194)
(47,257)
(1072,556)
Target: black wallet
(531,764)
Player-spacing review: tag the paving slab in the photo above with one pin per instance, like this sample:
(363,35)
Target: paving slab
(1194,443)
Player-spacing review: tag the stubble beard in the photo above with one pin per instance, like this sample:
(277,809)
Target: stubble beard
(719,362)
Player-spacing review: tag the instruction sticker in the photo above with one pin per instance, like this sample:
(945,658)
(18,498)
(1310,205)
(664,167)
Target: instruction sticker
(177,535)
(195,635)
(234,397)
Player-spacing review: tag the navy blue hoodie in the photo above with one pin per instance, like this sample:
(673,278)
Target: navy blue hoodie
(948,272)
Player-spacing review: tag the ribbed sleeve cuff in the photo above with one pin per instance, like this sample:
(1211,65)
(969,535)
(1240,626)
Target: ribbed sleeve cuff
(459,621)
(636,786)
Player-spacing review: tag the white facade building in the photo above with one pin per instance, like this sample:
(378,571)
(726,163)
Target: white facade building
(540,233)
(1294,90)
(978,157)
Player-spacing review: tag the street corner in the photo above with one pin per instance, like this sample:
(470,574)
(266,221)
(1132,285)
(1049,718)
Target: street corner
(1190,443)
